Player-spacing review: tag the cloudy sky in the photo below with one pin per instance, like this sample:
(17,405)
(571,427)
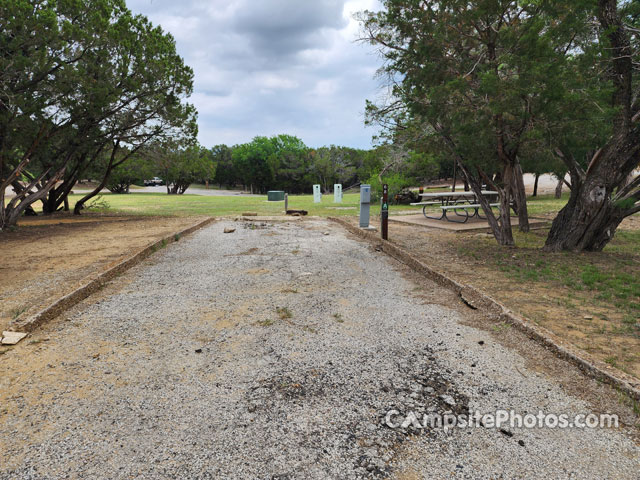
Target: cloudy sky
(264,67)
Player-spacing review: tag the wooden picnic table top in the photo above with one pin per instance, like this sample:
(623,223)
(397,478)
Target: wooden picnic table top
(456,194)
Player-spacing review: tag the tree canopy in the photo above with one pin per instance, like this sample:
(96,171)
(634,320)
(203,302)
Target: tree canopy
(81,79)
(499,84)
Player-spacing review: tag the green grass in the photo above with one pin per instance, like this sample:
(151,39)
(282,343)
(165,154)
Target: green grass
(600,279)
(195,205)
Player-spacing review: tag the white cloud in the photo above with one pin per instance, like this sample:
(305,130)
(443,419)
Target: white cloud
(273,66)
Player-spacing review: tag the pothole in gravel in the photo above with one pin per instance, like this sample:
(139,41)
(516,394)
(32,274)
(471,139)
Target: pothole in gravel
(347,407)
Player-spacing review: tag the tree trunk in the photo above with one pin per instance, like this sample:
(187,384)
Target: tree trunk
(588,222)
(559,188)
(455,176)
(501,227)
(535,185)
(80,203)
(602,196)
(520,198)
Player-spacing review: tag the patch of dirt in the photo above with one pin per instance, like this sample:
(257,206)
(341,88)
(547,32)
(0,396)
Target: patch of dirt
(48,257)
(594,326)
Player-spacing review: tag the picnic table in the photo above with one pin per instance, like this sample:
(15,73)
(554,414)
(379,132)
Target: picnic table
(456,202)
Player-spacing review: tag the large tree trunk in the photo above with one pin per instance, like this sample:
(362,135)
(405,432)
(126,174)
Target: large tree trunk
(588,221)
(602,196)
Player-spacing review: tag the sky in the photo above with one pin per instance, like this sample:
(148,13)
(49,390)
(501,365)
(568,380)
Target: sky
(265,67)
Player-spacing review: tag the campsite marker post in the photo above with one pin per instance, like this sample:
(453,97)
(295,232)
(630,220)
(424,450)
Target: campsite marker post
(384,213)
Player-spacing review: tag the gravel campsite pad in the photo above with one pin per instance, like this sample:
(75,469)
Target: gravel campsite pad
(276,352)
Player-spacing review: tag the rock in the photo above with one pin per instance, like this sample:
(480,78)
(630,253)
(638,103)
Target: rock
(588,317)
(12,338)
(229,230)
(327,233)
(198,350)
(448,399)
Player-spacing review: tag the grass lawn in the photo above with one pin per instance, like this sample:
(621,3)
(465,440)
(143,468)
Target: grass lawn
(181,205)
(196,205)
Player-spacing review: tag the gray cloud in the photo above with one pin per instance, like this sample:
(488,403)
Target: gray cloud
(273,66)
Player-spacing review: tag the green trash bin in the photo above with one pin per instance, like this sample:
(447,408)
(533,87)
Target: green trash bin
(275,196)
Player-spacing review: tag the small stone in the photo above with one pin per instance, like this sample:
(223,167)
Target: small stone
(521,443)
(229,230)
(198,350)
(588,317)
(448,399)
(327,233)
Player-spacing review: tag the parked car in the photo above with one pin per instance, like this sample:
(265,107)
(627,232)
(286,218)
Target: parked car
(155,181)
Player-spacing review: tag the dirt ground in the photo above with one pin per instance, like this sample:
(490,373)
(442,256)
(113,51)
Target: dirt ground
(46,258)
(473,258)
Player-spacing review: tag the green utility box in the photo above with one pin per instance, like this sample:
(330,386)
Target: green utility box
(275,196)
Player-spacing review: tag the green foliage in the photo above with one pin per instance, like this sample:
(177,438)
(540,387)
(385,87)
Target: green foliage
(134,171)
(396,181)
(477,73)
(180,167)
(81,80)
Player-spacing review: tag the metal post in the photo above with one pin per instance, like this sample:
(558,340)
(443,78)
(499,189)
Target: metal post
(384,213)
(365,204)
(286,202)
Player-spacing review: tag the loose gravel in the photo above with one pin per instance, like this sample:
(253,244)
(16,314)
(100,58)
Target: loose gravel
(275,352)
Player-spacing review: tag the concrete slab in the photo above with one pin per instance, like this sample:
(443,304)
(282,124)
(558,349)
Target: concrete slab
(12,338)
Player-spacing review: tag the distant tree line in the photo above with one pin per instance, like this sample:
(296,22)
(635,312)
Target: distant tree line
(281,162)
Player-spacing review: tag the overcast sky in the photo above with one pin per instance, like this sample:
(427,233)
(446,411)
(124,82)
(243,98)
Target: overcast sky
(264,67)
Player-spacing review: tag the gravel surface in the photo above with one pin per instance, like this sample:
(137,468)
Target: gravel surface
(275,352)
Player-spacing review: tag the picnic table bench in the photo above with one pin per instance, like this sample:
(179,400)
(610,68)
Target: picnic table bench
(456,202)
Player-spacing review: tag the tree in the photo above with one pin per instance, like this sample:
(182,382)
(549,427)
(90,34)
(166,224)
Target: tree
(604,193)
(38,75)
(290,162)
(180,166)
(226,173)
(133,171)
(474,75)
(81,80)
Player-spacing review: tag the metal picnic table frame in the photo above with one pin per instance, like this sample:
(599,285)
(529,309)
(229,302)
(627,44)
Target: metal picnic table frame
(449,201)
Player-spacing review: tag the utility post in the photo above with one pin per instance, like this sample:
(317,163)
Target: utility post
(384,213)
